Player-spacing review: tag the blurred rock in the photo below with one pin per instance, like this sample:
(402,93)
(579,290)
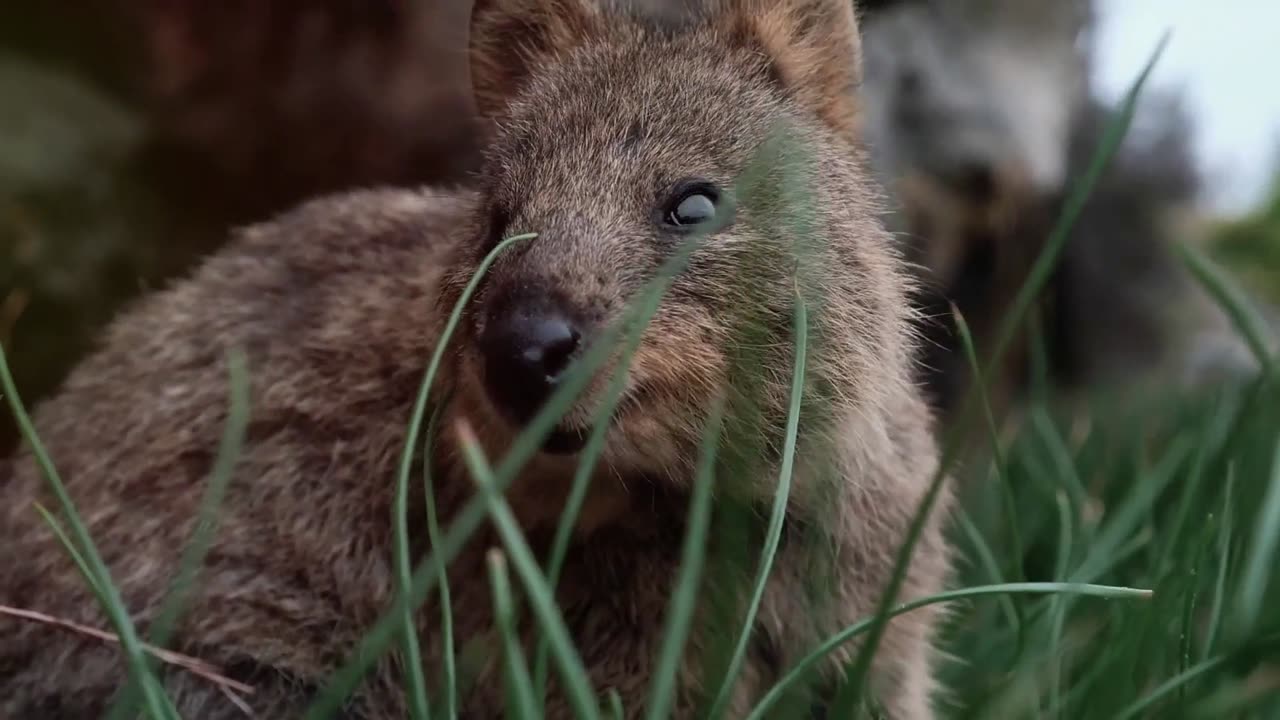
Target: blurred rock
(981,120)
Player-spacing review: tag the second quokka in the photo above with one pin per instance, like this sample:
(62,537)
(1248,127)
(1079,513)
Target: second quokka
(615,133)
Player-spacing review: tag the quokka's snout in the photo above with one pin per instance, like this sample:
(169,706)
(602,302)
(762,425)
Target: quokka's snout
(530,338)
(575,275)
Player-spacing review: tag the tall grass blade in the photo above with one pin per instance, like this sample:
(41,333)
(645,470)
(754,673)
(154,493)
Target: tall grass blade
(1043,267)
(779,513)
(1169,686)
(229,448)
(997,450)
(414,676)
(577,684)
(615,706)
(448,658)
(569,517)
(1057,604)
(100,577)
(987,558)
(1264,558)
(692,557)
(850,693)
(525,705)
(1233,302)
(800,670)
(588,459)
(123,703)
(1224,562)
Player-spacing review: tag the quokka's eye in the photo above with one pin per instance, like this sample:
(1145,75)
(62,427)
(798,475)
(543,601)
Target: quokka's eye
(691,205)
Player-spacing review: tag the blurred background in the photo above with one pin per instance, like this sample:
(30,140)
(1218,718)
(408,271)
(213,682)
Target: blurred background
(135,133)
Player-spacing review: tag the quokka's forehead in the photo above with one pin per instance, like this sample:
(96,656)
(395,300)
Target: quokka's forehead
(671,81)
(660,105)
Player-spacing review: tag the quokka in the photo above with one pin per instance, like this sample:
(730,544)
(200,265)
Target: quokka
(614,133)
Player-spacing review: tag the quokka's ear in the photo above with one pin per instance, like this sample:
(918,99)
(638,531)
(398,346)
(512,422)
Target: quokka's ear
(813,47)
(509,38)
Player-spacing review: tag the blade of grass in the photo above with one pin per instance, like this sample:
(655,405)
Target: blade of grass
(747,446)
(1166,566)
(1102,555)
(1123,554)
(1233,302)
(1055,445)
(1117,543)
(798,671)
(526,705)
(229,448)
(849,695)
(1234,699)
(1057,604)
(113,604)
(1209,440)
(577,495)
(569,518)
(990,565)
(692,557)
(1224,562)
(997,450)
(415,680)
(1114,133)
(1000,465)
(1169,686)
(414,675)
(197,667)
(615,705)
(70,547)
(1039,354)
(1190,602)
(447,652)
(1261,566)
(778,516)
(577,684)
(169,712)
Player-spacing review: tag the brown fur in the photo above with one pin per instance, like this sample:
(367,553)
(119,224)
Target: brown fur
(338,305)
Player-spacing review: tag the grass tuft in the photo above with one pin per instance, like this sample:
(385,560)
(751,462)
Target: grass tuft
(573,673)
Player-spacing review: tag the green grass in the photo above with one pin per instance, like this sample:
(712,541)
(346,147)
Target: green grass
(1250,245)
(1125,571)
(415,678)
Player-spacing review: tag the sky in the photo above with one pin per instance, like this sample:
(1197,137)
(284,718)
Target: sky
(1225,54)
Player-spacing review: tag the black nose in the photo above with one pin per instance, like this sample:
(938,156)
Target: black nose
(527,346)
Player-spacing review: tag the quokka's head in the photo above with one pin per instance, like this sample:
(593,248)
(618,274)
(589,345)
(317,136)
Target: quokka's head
(617,134)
